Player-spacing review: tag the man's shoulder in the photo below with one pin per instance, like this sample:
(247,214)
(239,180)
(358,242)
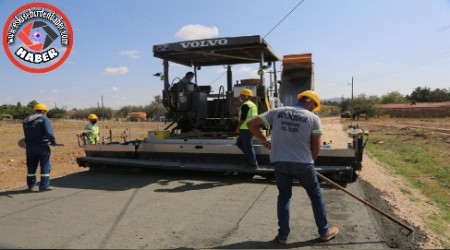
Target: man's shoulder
(33,117)
(248,103)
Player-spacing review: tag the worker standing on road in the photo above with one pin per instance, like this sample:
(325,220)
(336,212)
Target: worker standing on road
(38,133)
(295,144)
(247,111)
(91,129)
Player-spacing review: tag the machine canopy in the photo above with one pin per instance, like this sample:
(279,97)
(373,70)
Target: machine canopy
(217,51)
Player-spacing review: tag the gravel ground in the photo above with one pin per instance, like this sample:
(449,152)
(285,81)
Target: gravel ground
(383,191)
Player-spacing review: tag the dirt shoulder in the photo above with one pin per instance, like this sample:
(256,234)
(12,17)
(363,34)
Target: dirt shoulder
(383,190)
(63,159)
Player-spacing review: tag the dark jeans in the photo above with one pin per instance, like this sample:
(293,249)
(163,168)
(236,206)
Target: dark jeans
(285,173)
(38,154)
(244,142)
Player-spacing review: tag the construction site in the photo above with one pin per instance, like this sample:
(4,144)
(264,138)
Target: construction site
(192,162)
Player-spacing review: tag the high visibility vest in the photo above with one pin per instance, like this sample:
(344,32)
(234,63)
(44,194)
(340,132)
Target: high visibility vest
(93,135)
(252,112)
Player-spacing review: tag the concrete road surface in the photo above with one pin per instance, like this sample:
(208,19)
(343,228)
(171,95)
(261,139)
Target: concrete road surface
(156,209)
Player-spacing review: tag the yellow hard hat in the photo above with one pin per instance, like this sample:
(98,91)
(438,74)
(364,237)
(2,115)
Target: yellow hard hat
(40,107)
(247,92)
(92,117)
(311,95)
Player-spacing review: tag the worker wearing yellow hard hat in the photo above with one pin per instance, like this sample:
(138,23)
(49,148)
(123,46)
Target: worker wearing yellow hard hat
(38,133)
(40,107)
(294,145)
(247,111)
(310,96)
(91,129)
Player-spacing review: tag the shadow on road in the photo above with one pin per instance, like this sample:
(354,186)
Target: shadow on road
(10,193)
(120,180)
(309,244)
(269,245)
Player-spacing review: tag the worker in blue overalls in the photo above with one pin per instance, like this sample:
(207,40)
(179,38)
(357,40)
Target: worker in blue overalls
(38,135)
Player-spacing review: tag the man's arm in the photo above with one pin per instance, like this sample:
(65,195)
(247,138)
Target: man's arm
(49,132)
(243,117)
(254,126)
(315,145)
(244,111)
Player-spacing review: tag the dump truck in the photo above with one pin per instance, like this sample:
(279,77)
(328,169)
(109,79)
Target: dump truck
(200,135)
(137,116)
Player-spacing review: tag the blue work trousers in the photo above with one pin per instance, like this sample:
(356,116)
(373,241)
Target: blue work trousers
(38,154)
(285,173)
(244,142)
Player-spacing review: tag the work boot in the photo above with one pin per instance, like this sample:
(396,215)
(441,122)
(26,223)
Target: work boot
(332,232)
(281,240)
(252,166)
(46,189)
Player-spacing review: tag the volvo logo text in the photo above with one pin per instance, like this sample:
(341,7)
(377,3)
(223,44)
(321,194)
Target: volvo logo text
(203,43)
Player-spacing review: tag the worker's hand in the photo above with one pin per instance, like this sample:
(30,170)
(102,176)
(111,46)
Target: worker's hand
(267,144)
(237,131)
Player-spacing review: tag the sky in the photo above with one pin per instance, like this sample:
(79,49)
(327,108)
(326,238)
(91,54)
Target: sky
(383,45)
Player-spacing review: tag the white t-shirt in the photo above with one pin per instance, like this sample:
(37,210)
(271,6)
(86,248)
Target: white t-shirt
(292,128)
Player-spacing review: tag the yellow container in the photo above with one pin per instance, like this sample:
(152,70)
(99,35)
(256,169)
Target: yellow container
(158,134)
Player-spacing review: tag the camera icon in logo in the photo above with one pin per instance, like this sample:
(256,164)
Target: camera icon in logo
(34,33)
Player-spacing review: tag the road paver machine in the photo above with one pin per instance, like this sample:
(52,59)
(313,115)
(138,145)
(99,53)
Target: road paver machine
(200,135)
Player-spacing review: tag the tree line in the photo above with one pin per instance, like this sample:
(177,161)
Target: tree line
(367,104)
(20,111)
(360,104)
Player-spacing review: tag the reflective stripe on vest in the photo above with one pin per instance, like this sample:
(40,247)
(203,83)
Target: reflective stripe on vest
(252,112)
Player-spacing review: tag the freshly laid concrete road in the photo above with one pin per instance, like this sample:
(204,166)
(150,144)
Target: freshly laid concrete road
(156,209)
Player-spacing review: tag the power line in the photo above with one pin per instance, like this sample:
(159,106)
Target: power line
(412,63)
(284,18)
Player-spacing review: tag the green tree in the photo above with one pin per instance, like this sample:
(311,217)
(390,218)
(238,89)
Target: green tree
(20,112)
(420,94)
(440,95)
(156,108)
(32,104)
(393,97)
(124,111)
(102,113)
(56,113)
(363,104)
(6,111)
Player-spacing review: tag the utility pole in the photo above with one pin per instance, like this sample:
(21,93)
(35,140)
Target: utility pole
(351,104)
(352,89)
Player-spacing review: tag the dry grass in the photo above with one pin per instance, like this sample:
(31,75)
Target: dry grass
(418,151)
(12,157)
